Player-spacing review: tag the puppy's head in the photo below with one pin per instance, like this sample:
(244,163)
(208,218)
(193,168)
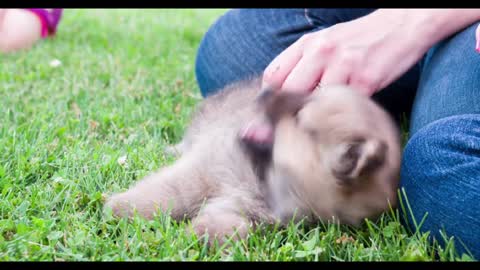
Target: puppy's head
(334,153)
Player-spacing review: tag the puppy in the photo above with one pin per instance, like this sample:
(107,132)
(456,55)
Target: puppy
(330,155)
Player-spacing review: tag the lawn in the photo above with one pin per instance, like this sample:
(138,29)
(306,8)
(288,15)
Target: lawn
(100,120)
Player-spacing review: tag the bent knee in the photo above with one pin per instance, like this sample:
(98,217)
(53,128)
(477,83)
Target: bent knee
(440,176)
(20,29)
(225,52)
(440,147)
(444,152)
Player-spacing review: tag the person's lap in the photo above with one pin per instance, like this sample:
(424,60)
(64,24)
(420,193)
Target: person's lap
(441,162)
(243,42)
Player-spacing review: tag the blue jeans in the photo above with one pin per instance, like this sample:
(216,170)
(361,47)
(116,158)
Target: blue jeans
(441,162)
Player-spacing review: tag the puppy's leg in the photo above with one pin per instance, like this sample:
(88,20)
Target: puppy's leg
(176,150)
(179,149)
(220,219)
(178,190)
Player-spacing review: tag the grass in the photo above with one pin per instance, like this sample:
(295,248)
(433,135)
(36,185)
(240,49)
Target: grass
(99,121)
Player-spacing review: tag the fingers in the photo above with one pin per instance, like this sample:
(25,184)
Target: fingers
(303,64)
(316,58)
(305,75)
(365,82)
(363,89)
(335,74)
(278,70)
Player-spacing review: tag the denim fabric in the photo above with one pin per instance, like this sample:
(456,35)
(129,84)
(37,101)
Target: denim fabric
(441,177)
(441,162)
(241,43)
(440,169)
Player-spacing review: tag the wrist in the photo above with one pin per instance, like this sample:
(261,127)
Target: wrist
(429,26)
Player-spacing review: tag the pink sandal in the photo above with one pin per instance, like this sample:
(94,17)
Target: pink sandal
(49,19)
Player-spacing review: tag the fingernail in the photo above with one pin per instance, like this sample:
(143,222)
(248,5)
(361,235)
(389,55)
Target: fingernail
(268,88)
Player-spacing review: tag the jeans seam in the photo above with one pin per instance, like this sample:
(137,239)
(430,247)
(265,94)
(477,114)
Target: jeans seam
(307,17)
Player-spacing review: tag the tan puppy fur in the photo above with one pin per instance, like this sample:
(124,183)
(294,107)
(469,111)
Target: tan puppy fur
(338,156)
(335,155)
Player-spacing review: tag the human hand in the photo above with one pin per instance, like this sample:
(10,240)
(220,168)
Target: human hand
(368,54)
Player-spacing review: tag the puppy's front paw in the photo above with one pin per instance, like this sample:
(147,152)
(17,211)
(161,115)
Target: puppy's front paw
(119,204)
(220,228)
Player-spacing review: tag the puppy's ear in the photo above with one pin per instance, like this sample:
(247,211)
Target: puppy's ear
(277,104)
(357,157)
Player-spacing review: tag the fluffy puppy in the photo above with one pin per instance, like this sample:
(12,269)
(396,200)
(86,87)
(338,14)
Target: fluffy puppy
(330,155)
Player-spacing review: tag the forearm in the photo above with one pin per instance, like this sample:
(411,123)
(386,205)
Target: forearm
(431,25)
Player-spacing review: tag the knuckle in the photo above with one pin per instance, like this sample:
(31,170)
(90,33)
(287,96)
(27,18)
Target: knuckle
(348,59)
(368,78)
(316,44)
(320,48)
